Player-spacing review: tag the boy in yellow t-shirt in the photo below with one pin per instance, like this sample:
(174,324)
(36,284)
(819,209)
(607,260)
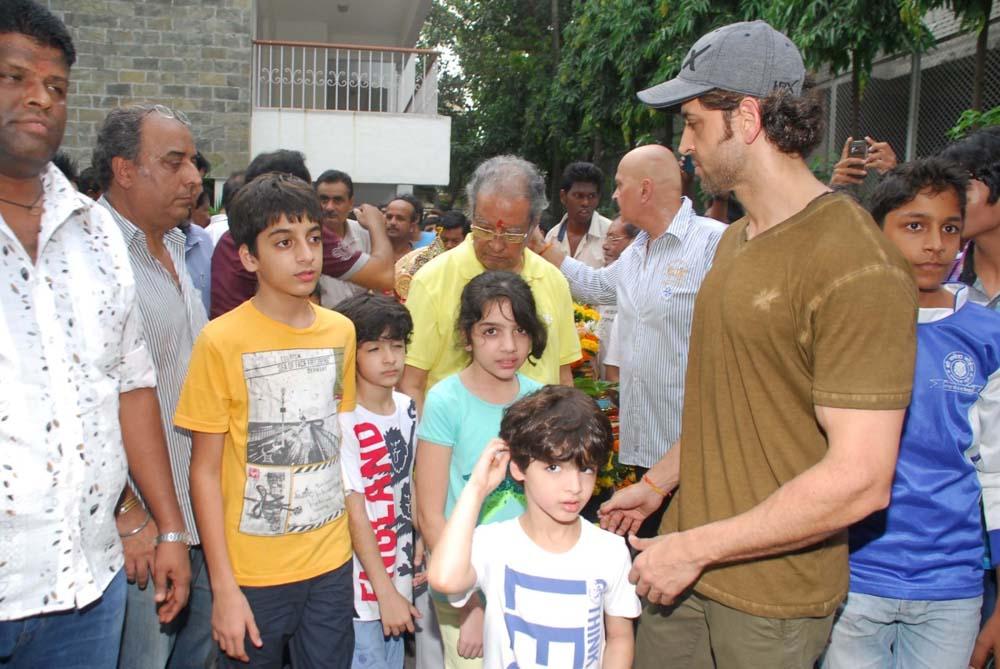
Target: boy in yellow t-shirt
(264,387)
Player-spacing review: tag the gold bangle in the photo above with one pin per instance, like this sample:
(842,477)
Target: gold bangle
(128,505)
(657,489)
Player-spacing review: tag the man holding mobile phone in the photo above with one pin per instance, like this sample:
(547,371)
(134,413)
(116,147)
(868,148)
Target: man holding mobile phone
(856,160)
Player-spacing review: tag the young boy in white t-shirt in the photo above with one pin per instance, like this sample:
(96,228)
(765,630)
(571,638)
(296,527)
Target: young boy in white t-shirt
(556,588)
(377,459)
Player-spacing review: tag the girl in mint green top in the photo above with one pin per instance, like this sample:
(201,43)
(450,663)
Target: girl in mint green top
(500,328)
(462,412)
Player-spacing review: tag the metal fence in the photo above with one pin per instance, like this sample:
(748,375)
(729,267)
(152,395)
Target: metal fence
(913,128)
(344,77)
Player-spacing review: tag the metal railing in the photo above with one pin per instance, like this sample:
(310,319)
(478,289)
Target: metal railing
(344,77)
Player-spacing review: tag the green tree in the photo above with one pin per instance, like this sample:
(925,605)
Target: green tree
(507,52)
(975,15)
(849,34)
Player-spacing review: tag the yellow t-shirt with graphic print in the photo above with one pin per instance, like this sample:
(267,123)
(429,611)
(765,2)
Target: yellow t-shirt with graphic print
(275,391)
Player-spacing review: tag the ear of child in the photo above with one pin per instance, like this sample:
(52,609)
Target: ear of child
(491,468)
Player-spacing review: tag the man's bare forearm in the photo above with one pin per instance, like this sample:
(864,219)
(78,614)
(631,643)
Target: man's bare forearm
(818,503)
(148,461)
(666,473)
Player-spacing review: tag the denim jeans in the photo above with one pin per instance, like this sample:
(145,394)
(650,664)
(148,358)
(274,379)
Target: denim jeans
(374,650)
(880,632)
(84,638)
(184,643)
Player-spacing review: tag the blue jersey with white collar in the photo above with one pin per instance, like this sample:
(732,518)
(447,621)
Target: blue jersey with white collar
(928,544)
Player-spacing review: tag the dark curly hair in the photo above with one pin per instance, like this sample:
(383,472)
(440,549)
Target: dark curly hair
(493,286)
(557,424)
(794,124)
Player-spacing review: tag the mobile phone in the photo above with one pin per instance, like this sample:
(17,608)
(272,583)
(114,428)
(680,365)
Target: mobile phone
(858,148)
(689,164)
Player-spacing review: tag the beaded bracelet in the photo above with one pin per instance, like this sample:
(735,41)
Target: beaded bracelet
(137,530)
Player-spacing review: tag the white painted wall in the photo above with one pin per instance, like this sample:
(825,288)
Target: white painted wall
(371,147)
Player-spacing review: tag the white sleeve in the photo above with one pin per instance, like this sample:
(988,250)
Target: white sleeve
(620,599)
(985,454)
(350,455)
(612,355)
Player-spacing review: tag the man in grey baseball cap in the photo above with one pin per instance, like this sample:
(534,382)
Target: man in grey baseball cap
(800,367)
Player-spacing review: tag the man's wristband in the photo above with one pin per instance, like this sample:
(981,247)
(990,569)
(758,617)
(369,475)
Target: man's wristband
(657,489)
(174,538)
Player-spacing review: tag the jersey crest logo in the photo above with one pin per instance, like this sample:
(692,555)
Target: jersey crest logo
(960,368)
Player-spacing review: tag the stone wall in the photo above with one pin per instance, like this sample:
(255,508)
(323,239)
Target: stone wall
(194,55)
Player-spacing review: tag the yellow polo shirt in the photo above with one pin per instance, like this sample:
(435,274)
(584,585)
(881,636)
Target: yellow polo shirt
(433,302)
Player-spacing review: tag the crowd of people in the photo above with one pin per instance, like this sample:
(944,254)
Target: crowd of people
(304,431)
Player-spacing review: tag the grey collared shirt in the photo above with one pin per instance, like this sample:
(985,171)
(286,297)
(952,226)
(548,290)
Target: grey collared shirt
(654,283)
(172,317)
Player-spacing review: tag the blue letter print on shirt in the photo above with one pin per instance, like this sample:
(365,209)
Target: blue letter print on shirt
(544,635)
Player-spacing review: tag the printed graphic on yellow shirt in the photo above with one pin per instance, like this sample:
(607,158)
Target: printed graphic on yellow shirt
(293,479)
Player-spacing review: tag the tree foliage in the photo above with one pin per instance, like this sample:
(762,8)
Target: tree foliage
(555,101)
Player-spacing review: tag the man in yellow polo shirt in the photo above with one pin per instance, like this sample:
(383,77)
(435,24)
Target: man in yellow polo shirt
(507,196)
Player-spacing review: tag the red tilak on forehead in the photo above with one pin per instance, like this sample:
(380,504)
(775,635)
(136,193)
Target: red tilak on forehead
(500,225)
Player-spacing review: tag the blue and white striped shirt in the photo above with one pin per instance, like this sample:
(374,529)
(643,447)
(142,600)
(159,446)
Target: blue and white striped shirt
(172,317)
(654,283)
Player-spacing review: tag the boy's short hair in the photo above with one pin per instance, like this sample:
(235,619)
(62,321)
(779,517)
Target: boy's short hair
(979,155)
(263,201)
(906,181)
(377,316)
(557,424)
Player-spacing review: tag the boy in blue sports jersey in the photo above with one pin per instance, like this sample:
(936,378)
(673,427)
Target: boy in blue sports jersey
(916,567)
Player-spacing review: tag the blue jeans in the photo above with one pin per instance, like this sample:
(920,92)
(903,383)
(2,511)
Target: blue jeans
(84,638)
(314,618)
(876,632)
(374,650)
(184,643)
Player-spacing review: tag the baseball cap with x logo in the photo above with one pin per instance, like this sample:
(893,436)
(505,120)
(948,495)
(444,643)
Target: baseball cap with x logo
(751,58)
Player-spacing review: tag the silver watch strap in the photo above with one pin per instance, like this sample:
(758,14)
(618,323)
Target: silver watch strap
(174,538)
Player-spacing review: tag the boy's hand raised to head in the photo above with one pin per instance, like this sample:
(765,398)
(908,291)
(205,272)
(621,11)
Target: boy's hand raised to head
(491,469)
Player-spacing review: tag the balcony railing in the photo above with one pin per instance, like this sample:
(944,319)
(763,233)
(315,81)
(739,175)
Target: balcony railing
(344,77)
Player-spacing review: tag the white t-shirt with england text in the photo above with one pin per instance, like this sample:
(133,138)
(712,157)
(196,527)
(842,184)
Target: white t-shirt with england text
(377,460)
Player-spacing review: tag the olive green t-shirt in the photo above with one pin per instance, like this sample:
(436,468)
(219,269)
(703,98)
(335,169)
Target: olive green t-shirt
(819,310)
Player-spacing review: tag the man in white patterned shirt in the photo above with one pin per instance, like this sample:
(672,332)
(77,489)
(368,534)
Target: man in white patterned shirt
(78,382)
(654,283)
(144,158)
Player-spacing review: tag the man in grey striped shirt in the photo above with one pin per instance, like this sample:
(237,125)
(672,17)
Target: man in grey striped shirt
(145,160)
(654,284)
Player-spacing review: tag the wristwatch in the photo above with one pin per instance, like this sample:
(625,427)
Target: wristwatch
(174,538)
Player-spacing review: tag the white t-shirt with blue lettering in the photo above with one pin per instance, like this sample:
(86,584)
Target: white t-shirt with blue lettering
(547,609)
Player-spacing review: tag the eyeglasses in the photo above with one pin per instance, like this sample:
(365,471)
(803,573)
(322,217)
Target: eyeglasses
(165,112)
(488,235)
(614,239)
